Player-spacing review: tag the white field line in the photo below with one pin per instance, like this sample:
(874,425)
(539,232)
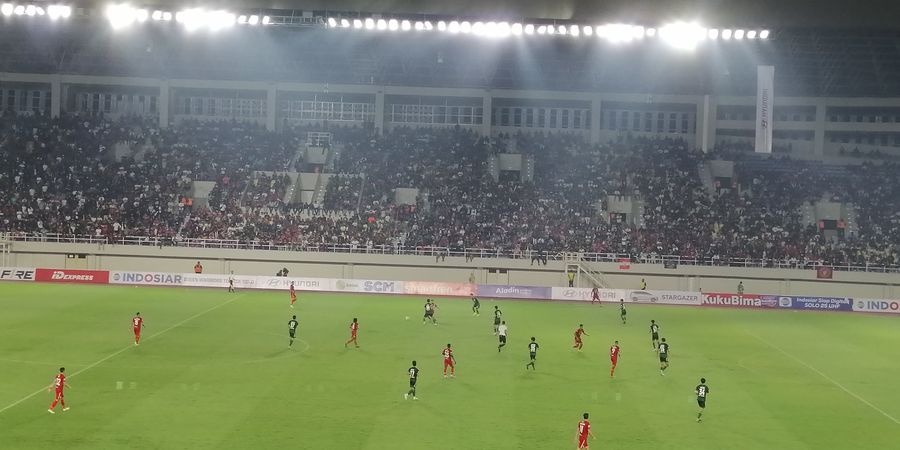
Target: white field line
(117,352)
(831,380)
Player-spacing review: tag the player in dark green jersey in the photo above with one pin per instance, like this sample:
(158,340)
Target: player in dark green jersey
(622,309)
(532,353)
(292,329)
(476,306)
(497,315)
(413,378)
(702,391)
(663,350)
(654,334)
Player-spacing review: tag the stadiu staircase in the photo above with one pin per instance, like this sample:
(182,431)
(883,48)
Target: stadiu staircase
(575,263)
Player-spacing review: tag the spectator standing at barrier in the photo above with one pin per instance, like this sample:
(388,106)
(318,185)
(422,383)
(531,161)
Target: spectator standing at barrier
(740,288)
(643,285)
(198,268)
(571,275)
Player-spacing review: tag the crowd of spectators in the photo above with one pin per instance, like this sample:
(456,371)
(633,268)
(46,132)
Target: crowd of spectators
(89,175)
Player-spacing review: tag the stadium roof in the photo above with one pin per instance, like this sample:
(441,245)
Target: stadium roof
(769,13)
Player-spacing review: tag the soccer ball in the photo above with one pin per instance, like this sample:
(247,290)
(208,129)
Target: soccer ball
(407,317)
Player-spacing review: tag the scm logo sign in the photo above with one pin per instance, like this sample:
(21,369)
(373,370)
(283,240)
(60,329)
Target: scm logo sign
(379,286)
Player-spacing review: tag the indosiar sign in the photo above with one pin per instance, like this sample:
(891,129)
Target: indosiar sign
(874,305)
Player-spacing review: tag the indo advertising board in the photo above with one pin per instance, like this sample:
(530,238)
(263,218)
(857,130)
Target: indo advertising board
(505,291)
(374,286)
(823,303)
(435,288)
(664,297)
(874,305)
(740,300)
(72,276)
(145,278)
(17,274)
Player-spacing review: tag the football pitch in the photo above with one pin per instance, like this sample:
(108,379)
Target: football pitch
(214,371)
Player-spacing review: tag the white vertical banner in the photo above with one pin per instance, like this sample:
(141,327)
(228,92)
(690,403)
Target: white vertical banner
(765,101)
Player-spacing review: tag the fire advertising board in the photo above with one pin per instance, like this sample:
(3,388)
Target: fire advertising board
(17,274)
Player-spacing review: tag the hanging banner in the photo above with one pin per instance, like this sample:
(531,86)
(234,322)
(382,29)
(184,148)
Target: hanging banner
(765,101)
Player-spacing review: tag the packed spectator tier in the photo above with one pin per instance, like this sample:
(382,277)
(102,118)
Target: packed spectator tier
(88,175)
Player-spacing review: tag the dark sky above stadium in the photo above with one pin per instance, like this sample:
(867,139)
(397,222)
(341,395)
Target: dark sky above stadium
(769,13)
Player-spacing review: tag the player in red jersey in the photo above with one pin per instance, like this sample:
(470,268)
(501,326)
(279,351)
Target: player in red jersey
(59,383)
(449,361)
(137,323)
(595,295)
(578,333)
(354,328)
(613,358)
(293,295)
(584,431)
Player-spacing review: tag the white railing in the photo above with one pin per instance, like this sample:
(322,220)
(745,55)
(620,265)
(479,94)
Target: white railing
(440,252)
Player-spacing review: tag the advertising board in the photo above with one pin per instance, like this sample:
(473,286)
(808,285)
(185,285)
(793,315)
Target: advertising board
(740,300)
(506,291)
(71,276)
(17,273)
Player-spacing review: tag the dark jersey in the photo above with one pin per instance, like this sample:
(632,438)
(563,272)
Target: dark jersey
(663,349)
(702,391)
(532,347)
(497,315)
(622,308)
(292,325)
(413,373)
(475,302)
(654,329)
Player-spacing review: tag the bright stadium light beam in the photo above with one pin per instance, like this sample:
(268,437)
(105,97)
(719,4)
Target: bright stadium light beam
(764,34)
(357,23)
(465,27)
(442,26)
(393,25)
(575,30)
(120,16)
(739,34)
(6,9)
(405,25)
(40,11)
(503,29)
(370,23)
(141,15)
(478,29)
(419,26)
(19,10)
(713,33)
(588,30)
(651,32)
(528,29)
(683,35)
(332,22)
(453,27)
(726,34)
(30,10)
(220,19)
(345,23)
(266,20)
(751,34)
(381,24)
(428,26)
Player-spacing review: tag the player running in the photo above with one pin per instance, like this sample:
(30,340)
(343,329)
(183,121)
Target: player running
(429,312)
(292,329)
(622,308)
(293,294)
(497,315)
(354,328)
(231,283)
(449,361)
(137,323)
(702,391)
(654,334)
(580,331)
(413,377)
(663,350)
(532,353)
(502,330)
(595,296)
(584,432)
(614,352)
(59,383)
(476,306)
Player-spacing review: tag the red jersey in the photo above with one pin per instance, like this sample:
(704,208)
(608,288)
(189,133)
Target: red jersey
(584,428)
(354,327)
(292,290)
(595,293)
(578,333)
(138,322)
(448,354)
(60,382)
(614,352)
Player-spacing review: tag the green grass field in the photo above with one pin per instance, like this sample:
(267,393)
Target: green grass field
(214,372)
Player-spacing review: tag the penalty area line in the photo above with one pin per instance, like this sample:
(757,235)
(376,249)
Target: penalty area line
(823,375)
(118,352)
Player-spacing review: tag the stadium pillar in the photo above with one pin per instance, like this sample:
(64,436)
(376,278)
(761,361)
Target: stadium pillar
(270,107)
(487,115)
(706,124)
(819,134)
(596,115)
(379,112)
(165,93)
(55,96)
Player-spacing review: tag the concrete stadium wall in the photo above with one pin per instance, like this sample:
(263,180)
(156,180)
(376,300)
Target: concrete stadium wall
(424,268)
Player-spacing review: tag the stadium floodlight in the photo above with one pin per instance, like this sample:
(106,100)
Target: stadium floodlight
(453,26)
(528,29)
(588,30)
(405,25)
(515,29)
(332,22)
(141,15)
(764,34)
(503,29)
(751,34)
(157,16)
(30,10)
(551,29)
(478,29)
(542,29)
(428,25)
(266,20)
(53,11)
(220,19)
(167,16)
(393,25)
(726,34)
(441,25)
(39,10)
(381,24)
(419,26)
(465,27)
(650,32)
(120,16)
(638,32)
(193,19)
(370,23)
(713,33)
(357,23)
(6,9)
(738,34)
(345,23)
(683,35)
(562,30)
(575,30)
(19,10)
(618,32)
